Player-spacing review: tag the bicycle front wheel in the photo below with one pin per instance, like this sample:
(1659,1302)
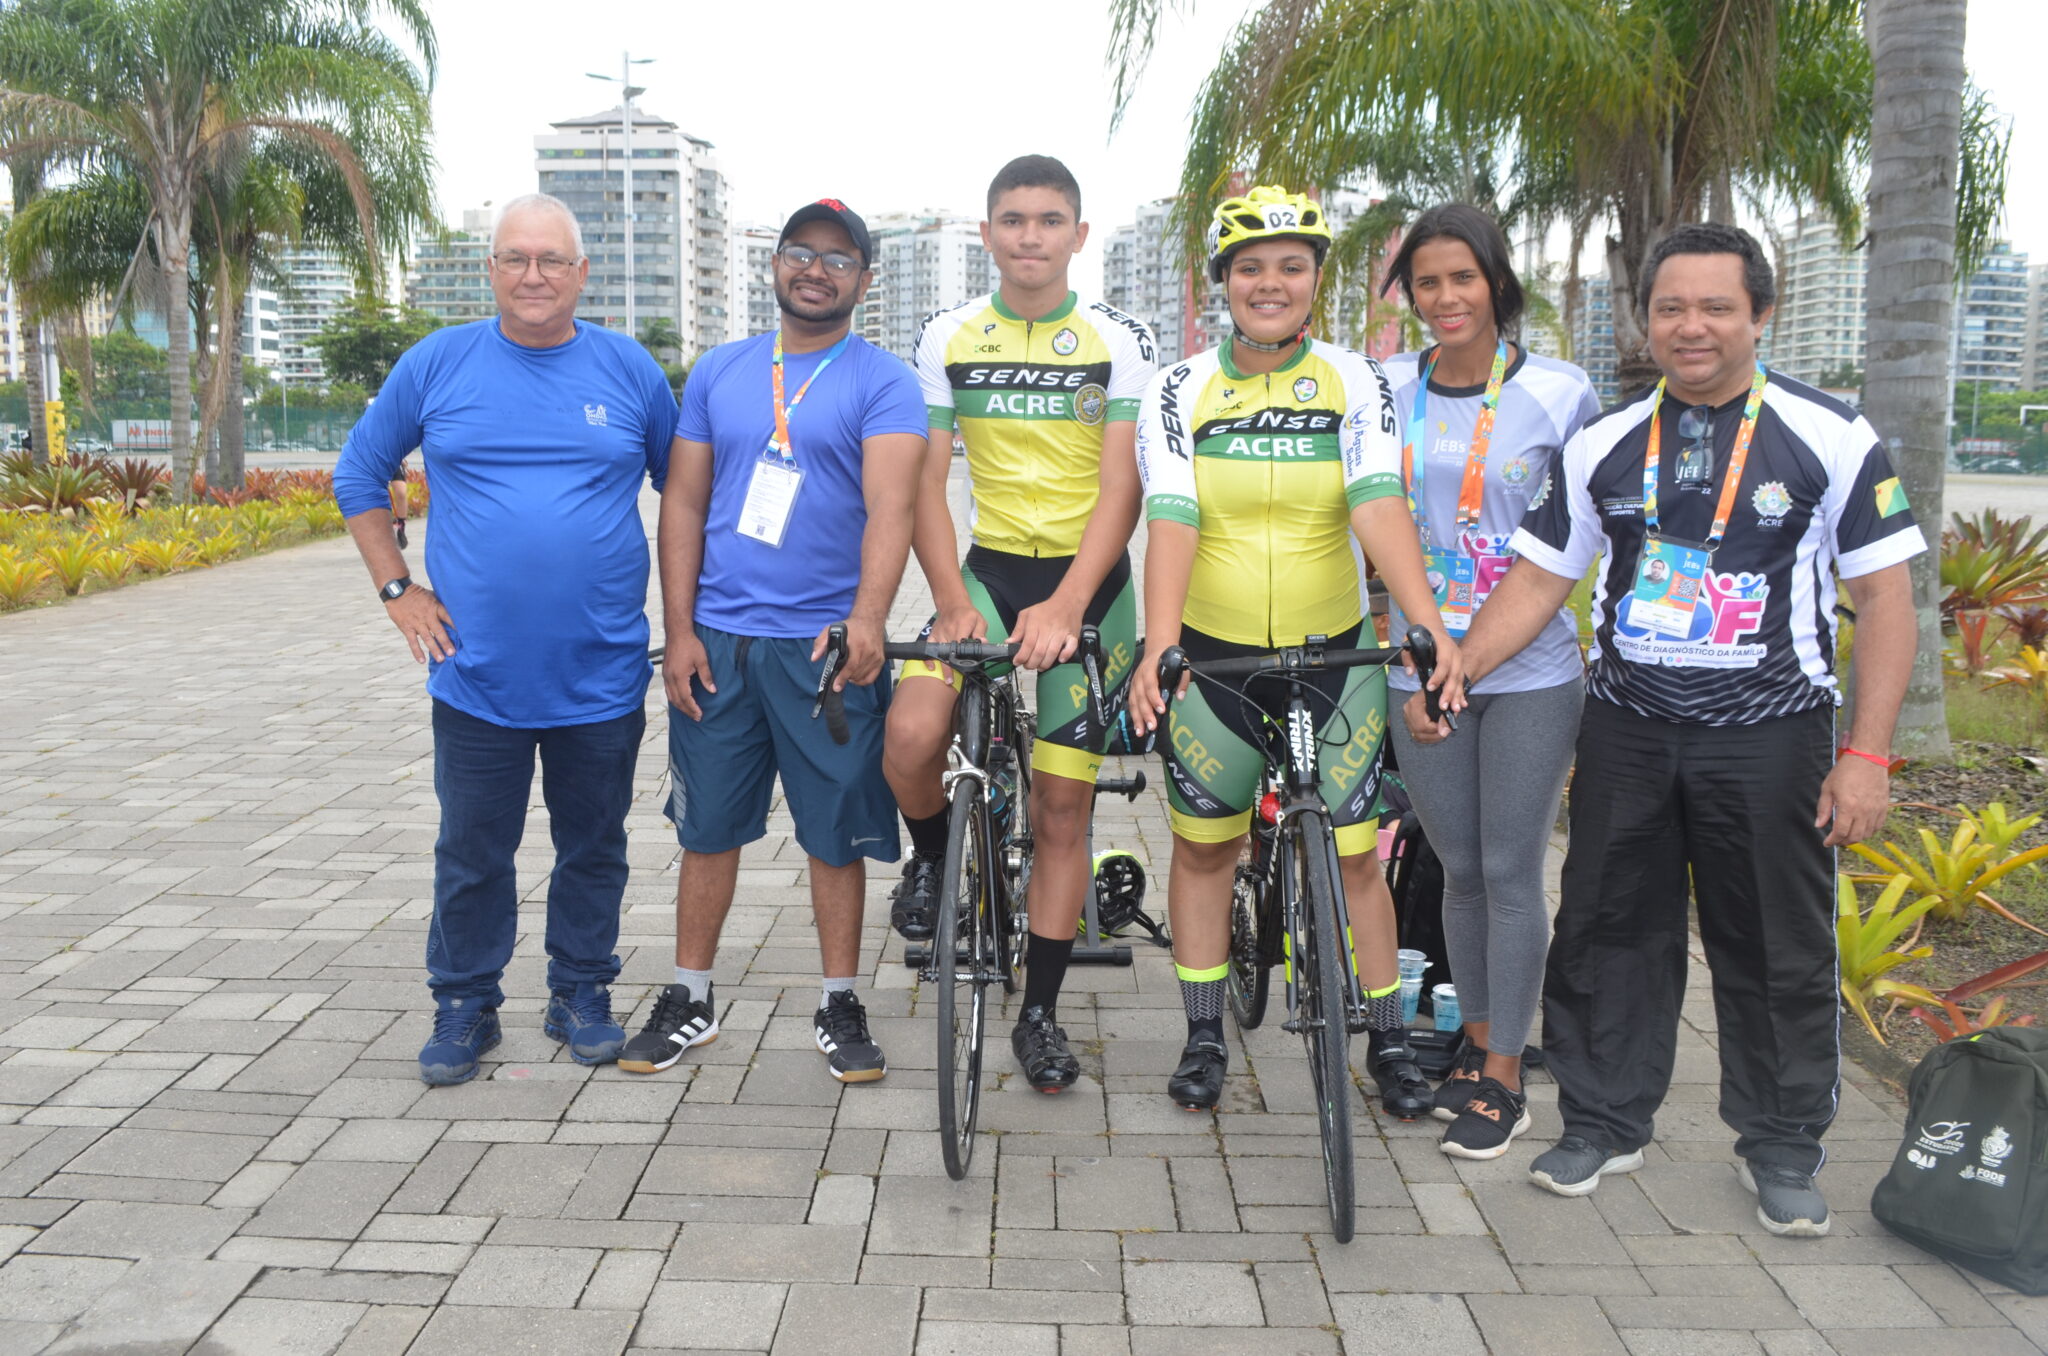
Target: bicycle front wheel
(1325,974)
(963,961)
(1016,849)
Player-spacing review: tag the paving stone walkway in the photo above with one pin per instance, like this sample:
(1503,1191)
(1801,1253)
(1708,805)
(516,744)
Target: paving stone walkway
(216,817)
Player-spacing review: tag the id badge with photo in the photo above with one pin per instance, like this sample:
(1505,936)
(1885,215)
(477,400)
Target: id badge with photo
(770,497)
(1669,579)
(1452,575)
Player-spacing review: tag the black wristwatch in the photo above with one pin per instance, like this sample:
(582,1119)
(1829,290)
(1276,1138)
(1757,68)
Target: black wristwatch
(395,590)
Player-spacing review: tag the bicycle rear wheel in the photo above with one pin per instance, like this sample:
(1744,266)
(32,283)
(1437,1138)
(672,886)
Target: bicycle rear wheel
(1245,983)
(1015,849)
(963,962)
(1324,976)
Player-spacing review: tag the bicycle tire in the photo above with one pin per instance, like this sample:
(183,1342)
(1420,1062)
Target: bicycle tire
(1247,980)
(1023,736)
(962,961)
(1322,1017)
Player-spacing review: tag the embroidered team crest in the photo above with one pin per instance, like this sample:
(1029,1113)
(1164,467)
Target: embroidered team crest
(1772,501)
(1091,402)
(594,414)
(1514,472)
(1065,342)
(1995,1147)
(1305,388)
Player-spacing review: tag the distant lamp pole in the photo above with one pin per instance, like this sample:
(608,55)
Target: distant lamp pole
(625,83)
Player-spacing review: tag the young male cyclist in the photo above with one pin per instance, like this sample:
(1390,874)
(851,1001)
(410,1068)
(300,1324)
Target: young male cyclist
(1044,389)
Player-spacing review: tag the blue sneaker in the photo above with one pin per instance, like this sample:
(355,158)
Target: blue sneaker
(583,1021)
(460,1039)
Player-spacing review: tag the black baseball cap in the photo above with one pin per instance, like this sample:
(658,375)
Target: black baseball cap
(831,209)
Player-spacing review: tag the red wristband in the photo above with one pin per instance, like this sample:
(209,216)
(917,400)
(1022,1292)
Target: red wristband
(1882,762)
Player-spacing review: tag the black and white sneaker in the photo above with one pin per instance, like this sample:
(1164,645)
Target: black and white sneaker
(1574,1165)
(1494,1114)
(841,1028)
(677,1023)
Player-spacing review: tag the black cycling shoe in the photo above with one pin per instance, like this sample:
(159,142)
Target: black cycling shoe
(1404,1093)
(910,903)
(1198,1083)
(1041,1048)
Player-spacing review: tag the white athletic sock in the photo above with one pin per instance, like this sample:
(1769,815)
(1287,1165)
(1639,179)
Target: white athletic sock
(698,982)
(833,986)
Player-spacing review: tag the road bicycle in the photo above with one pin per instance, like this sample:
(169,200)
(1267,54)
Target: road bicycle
(1287,905)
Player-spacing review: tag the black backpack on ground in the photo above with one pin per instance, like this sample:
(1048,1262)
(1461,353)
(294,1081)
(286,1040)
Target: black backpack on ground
(1970,1182)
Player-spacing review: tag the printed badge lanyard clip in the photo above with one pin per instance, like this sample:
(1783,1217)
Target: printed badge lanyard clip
(1472,489)
(1732,479)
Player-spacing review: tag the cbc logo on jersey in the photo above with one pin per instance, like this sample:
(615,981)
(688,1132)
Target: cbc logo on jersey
(1065,342)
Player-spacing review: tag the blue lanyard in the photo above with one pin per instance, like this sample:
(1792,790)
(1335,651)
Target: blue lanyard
(1472,488)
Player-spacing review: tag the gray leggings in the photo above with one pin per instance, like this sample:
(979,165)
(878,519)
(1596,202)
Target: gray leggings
(1488,796)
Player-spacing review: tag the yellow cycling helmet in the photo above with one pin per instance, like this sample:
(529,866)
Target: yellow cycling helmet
(1268,212)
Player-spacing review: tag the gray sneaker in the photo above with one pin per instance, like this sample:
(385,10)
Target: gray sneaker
(1787,1201)
(1574,1165)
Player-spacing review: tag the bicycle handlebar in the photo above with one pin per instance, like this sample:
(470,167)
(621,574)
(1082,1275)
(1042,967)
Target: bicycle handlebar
(1419,645)
(954,652)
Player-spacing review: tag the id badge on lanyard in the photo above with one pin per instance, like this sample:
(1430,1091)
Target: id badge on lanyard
(771,494)
(1669,579)
(1453,575)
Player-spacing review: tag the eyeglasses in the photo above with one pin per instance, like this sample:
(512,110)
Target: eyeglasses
(1696,458)
(515,263)
(797,258)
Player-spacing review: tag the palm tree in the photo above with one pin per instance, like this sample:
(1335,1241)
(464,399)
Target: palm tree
(25,180)
(1644,113)
(172,89)
(1917,54)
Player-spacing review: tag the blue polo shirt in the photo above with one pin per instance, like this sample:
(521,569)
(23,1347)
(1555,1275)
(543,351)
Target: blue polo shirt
(796,589)
(535,457)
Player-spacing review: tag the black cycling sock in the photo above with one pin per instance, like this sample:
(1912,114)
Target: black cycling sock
(1045,969)
(928,835)
(1202,996)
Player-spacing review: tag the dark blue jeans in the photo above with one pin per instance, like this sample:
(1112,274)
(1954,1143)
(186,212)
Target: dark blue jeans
(483,774)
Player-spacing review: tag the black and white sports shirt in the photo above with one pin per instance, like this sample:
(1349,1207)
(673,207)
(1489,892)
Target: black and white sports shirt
(1818,498)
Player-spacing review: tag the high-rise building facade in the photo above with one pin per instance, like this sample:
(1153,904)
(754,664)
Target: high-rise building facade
(1593,336)
(1142,277)
(1991,321)
(13,363)
(923,261)
(2034,362)
(753,281)
(681,265)
(1817,331)
(449,277)
(318,286)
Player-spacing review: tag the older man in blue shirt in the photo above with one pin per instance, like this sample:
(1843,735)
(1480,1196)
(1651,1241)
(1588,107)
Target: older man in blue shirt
(536,430)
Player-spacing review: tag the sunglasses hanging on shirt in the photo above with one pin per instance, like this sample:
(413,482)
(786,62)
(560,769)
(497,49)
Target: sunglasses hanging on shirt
(1695,468)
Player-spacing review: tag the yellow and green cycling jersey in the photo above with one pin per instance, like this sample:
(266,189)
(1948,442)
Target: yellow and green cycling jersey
(1267,468)
(1031,399)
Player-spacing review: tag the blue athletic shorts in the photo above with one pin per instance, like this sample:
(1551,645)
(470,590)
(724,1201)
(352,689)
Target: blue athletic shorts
(758,724)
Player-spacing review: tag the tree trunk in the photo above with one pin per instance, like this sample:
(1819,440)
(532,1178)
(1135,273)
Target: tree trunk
(229,359)
(1916,49)
(38,414)
(178,359)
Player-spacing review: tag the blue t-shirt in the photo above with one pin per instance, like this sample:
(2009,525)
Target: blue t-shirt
(797,589)
(535,456)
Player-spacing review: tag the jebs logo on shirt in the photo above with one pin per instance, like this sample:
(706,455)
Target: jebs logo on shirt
(1772,501)
(1304,388)
(1065,342)
(594,414)
(1091,402)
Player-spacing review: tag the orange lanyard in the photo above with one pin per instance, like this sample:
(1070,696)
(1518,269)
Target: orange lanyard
(1472,489)
(1732,480)
(782,410)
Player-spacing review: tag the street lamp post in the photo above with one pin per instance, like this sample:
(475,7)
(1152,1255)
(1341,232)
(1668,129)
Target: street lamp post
(625,81)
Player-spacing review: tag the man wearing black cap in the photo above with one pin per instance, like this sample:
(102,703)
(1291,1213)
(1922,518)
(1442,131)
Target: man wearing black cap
(787,511)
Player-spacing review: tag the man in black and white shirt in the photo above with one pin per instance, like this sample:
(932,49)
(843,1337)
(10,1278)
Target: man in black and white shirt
(1707,757)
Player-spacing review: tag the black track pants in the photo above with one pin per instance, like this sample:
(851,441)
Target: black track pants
(1654,804)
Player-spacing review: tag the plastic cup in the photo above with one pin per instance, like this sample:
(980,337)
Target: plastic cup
(1411,962)
(1444,1000)
(1411,998)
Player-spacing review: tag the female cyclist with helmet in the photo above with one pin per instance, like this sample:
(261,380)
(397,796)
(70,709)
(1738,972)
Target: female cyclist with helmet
(1259,459)
(1484,421)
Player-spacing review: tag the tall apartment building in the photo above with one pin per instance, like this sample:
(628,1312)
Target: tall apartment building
(13,365)
(1593,336)
(262,329)
(2034,362)
(319,285)
(448,277)
(1818,329)
(1991,321)
(923,261)
(753,281)
(681,264)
